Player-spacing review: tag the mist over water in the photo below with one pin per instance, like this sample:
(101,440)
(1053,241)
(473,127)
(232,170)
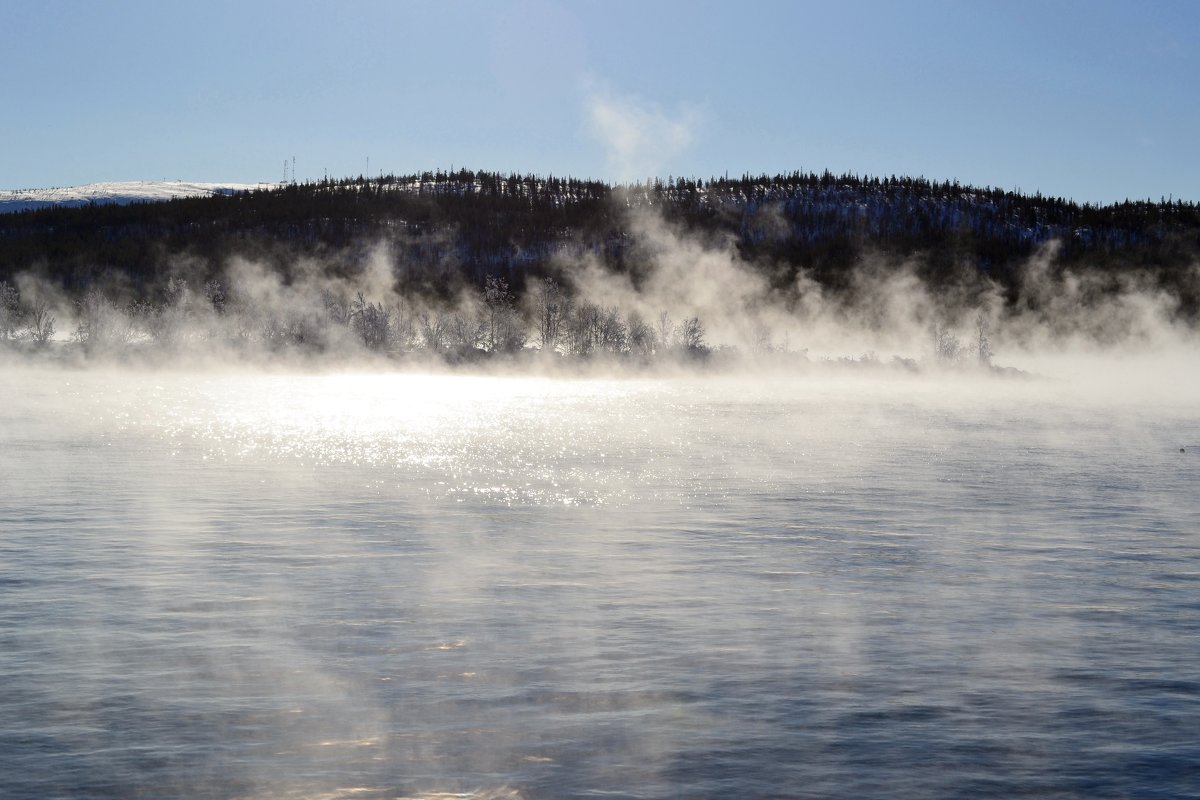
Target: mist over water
(680,295)
(845,584)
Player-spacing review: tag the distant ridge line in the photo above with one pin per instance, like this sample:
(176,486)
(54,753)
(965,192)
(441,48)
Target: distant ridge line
(475,182)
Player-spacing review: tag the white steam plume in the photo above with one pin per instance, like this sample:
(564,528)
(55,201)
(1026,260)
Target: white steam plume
(639,138)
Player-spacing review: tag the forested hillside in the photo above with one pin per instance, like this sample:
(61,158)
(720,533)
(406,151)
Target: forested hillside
(477,224)
(442,236)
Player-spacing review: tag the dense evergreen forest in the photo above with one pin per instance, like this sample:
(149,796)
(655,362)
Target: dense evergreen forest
(482,224)
(444,231)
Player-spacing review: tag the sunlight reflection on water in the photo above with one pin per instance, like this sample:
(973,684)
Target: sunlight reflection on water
(370,585)
(525,440)
(506,439)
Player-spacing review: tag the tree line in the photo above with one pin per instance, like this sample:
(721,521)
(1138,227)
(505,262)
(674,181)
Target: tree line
(447,229)
(488,323)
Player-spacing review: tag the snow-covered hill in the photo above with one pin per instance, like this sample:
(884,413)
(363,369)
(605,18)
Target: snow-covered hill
(121,192)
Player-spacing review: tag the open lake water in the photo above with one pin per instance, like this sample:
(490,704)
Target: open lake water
(379,586)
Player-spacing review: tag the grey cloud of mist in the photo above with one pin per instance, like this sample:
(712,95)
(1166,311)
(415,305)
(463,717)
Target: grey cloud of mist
(639,138)
(888,308)
(1079,309)
(319,312)
(682,277)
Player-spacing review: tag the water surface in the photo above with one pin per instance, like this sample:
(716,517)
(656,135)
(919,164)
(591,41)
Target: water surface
(357,585)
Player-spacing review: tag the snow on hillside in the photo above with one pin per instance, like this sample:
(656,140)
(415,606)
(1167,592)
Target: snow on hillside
(121,193)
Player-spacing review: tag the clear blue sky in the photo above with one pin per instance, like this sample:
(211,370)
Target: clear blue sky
(1092,100)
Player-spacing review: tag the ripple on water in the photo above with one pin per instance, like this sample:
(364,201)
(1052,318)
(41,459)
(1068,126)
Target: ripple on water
(418,586)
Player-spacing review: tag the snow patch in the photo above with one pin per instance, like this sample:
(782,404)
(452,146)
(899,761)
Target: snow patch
(118,192)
